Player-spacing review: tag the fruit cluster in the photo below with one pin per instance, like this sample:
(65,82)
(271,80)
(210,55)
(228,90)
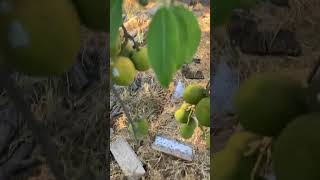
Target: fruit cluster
(43,37)
(273,105)
(195,111)
(126,61)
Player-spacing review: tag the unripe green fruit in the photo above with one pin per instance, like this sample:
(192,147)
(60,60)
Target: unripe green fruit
(222,10)
(296,151)
(40,37)
(265,103)
(182,114)
(230,165)
(127,51)
(239,141)
(123,71)
(143,2)
(93,13)
(203,112)
(187,130)
(194,93)
(140,59)
(142,128)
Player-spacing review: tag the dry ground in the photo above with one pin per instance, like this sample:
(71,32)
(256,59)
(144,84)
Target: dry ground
(146,99)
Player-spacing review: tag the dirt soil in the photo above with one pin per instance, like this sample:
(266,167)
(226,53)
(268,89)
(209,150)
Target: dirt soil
(303,18)
(146,99)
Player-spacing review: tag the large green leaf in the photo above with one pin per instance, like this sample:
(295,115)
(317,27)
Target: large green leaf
(163,45)
(189,34)
(115,20)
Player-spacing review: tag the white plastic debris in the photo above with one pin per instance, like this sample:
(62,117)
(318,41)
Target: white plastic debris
(179,90)
(225,85)
(173,148)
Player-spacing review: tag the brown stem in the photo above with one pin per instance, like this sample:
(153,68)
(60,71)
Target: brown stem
(124,107)
(128,36)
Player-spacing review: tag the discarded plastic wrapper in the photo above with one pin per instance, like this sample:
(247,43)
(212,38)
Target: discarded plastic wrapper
(179,90)
(173,148)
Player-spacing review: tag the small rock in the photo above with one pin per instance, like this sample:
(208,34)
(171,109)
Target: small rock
(127,159)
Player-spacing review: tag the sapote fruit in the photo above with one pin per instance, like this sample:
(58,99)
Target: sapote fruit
(194,93)
(222,10)
(187,130)
(127,51)
(93,14)
(140,59)
(239,141)
(142,128)
(143,2)
(267,102)
(40,37)
(228,164)
(182,114)
(296,151)
(203,112)
(123,71)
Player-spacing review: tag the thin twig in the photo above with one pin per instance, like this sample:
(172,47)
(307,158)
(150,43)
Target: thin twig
(124,107)
(266,142)
(40,133)
(128,36)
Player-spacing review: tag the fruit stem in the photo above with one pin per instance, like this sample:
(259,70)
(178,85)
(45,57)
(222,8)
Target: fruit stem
(39,132)
(124,107)
(266,142)
(128,36)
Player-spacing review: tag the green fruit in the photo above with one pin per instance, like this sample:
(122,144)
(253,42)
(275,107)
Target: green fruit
(187,130)
(239,141)
(40,37)
(93,13)
(296,152)
(222,10)
(143,2)
(127,51)
(194,93)
(266,102)
(246,4)
(203,112)
(115,50)
(142,128)
(182,114)
(230,165)
(140,59)
(123,71)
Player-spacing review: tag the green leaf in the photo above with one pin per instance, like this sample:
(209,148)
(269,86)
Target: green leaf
(115,20)
(163,45)
(189,34)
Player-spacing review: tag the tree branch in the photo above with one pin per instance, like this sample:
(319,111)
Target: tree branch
(128,36)
(124,107)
